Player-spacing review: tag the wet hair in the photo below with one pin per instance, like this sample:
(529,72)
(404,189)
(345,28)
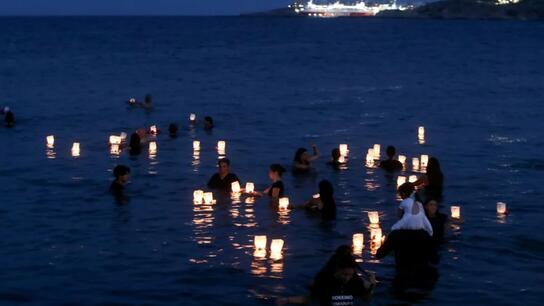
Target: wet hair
(390,151)
(335,153)
(148,99)
(277,168)
(223,161)
(298,155)
(209,120)
(135,146)
(434,173)
(120,170)
(172,129)
(326,192)
(406,189)
(342,259)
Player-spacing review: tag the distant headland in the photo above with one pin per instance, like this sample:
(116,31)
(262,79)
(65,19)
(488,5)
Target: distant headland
(444,9)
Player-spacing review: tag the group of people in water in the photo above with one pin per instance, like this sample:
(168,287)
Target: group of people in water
(414,238)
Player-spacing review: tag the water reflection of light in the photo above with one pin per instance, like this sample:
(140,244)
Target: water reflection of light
(152,150)
(276,267)
(258,264)
(50,153)
(371,184)
(115,150)
(202,223)
(375,240)
(283,217)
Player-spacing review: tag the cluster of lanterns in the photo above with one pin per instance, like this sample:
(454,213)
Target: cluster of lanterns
(276,247)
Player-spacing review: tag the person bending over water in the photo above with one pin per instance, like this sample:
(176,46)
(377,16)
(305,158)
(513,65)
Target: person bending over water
(432,182)
(337,283)
(438,220)
(208,123)
(223,179)
(302,161)
(390,164)
(121,174)
(325,204)
(411,212)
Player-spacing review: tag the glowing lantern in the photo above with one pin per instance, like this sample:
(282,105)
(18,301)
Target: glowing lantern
(316,196)
(283,203)
(250,187)
(424,161)
(152,147)
(114,149)
(192,117)
(415,164)
(196,145)
(377,154)
(198,196)
(221,147)
(75,149)
(153,129)
(501,208)
(358,241)
(373,217)
(412,179)
(208,198)
(401,180)
(402,160)
(115,140)
(235,187)
(275,248)
(342,159)
(344,150)
(260,242)
(421,132)
(376,235)
(455,212)
(50,141)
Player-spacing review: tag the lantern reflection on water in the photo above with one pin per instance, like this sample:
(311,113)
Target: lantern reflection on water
(260,242)
(75,149)
(455,212)
(276,247)
(501,208)
(283,203)
(373,217)
(250,187)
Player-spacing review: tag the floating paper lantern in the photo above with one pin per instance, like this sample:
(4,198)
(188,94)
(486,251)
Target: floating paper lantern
(377,153)
(358,241)
(342,159)
(424,161)
(421,132)
(235,187)
(153,129)
(344,150)
(115,140)
(221,146)
(283,203)
(402,160)
(152,147)
(415,164)
(316,196)
(75,149)
(50,141)
(275,248)
(208,198)
(260,242)
(455,212)
(501,208)
(401,180)
(192,117)
(198,196)
(376,235)
(250,187)
(373,217)
(196,145)
(412,179)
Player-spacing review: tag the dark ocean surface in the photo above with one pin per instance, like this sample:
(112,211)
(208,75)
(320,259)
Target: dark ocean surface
(272,85)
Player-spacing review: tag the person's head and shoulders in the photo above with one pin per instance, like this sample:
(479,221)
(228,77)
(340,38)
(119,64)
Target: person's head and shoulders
(173,130)
(325,204)
(302,160)
(121,174)
(148,102)
(223,179)
(275,173)
(135,143)
(437,219)
(208,123)
(336,157)
(391,164)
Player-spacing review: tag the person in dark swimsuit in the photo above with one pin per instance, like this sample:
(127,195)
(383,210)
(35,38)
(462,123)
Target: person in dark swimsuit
(276,190)
(325,204)
(390,164)
(223,179)
(432,182)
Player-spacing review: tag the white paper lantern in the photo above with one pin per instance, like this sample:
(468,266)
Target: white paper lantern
(250,187)
(260,242)
(455,212)
(358,241)
(283,203)
(373,217)
(501,208)
(198,196)
(50,140)
(344,150)
(235,186)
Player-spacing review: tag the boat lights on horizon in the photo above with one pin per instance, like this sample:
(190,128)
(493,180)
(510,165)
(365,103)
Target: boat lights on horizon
(455,212)
(283,203)
(76,149)
(50,140)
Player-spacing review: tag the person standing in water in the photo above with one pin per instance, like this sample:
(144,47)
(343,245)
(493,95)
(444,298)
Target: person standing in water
(437,219)
(337,283)
(223,179)
(390,164)
(135,144)
(325,204)
(335,160)
(432,182)
(276,190)
(302,161)
(122,175)
(148,102)
(208,123)
(9,117)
